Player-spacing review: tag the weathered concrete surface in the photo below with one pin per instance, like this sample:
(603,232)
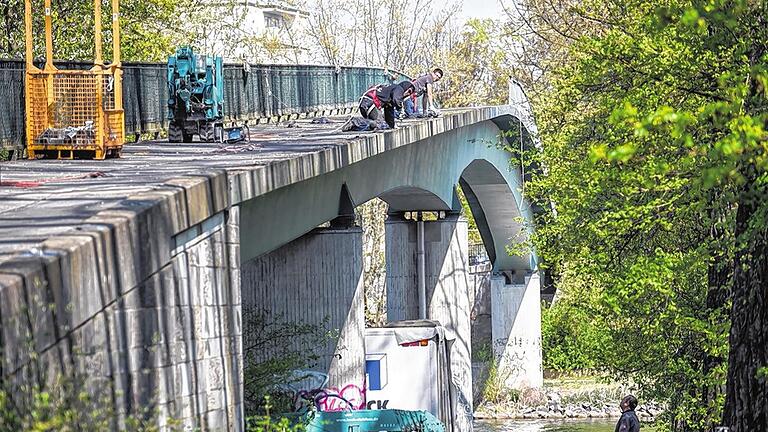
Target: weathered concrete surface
(447,289)
(78,238)
(315,280)
(480,299)
(482,338)
(168,345)
(516,326)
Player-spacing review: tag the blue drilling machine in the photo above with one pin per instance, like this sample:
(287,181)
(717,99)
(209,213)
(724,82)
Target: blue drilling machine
(196,98)
(386,420)
(311,418)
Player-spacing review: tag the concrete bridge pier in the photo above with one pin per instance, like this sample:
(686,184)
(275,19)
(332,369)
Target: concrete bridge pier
(314,280)
(516,327)
(447,290)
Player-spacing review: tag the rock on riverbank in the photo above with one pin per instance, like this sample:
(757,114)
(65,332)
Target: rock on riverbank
(573,398)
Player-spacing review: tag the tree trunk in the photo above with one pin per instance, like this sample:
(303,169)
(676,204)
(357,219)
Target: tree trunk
(719,274)
(746,389)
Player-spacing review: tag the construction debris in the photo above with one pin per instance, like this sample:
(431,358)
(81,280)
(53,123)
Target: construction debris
(74,136)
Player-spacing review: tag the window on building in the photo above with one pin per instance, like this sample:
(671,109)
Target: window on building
(274,21)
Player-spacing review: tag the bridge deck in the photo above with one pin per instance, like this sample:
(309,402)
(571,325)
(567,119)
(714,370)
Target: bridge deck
(40,199)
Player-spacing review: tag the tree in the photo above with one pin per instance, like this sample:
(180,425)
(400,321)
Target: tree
(145,31)
(372,216)
(333,29)
(540,34)
(12,38)
(477,65)
(226,28)
(405,35)
(654,131)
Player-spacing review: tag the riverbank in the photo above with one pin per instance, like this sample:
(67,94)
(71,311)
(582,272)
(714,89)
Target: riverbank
(561,398)
(547,425)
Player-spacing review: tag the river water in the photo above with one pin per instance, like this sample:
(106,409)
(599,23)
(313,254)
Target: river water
(574,425)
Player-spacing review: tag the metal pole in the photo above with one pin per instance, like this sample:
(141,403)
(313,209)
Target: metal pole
(97,31)
(421,264)
(48,37)
(116,59)
(28,33)
(116,32)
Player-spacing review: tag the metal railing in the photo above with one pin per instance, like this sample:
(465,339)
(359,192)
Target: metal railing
(251,93)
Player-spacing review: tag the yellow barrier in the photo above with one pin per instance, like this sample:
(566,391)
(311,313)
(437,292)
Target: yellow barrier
(74,113)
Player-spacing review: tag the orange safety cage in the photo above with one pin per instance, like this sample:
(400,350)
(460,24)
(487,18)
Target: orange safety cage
(74,113)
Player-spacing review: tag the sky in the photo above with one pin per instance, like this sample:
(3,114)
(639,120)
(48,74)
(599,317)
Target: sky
(482,9)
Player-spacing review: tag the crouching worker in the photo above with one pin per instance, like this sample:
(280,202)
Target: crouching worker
(423,89)
(386,98)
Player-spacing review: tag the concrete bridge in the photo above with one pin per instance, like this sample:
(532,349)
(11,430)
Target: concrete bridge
(139,273)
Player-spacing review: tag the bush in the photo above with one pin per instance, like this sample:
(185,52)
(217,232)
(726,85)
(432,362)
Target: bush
(572,336)
(495,390)
(265,423)
(483,353)
(68,407)
(273,349)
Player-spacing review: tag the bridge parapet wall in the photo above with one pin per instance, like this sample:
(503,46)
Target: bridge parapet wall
(133,313)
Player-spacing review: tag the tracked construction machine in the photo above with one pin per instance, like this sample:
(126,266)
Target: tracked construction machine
(196,98)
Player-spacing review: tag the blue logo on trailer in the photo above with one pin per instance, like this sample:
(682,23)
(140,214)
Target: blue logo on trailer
(376,371)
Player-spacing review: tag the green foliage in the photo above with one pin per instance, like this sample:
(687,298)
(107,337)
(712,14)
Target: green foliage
(66,405)
(12,23)
(474,233)
(265,423)
(654,132)
(372,215)
(149,29)
(268,424)
(483,353)
(495,390)
(573,337)
(476,67)
(273,349)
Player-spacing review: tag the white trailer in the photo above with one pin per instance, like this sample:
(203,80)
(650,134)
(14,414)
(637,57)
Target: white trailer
(407,366)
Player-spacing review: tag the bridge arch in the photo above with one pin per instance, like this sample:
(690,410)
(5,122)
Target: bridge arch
(421,175)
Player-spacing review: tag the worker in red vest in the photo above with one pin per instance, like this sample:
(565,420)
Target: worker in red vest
(385,98)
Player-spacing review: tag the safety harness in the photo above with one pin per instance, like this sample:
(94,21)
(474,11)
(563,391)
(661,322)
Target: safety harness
(372,94)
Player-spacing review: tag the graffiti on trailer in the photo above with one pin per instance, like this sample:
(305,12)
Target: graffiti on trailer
(351,393)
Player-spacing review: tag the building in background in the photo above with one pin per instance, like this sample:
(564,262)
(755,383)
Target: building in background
(256,32)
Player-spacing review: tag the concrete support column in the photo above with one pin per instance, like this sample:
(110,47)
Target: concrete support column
(317,280)
(516,328)
(447,290)
(208,323)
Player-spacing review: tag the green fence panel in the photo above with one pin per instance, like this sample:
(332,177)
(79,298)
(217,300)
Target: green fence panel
(250,92)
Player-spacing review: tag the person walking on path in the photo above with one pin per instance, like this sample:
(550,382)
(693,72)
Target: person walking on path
(628,421)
